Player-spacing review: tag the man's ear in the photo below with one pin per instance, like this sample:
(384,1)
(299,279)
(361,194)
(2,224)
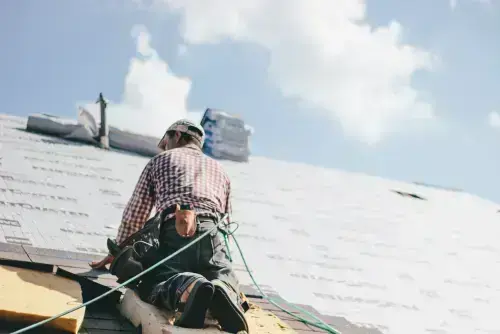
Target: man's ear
(177,136)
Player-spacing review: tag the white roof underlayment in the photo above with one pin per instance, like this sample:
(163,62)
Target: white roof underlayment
(345,243)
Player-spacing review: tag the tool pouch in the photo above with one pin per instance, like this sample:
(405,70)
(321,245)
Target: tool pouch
(125,266)
(133,255)
(185,220)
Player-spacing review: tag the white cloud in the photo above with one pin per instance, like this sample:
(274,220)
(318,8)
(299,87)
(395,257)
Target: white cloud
(494,119)
(153,97)
(453,4)
(323,52)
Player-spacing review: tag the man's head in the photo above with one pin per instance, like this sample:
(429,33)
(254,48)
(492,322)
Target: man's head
(182,133)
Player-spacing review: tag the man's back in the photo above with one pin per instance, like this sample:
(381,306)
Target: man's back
(178,176)
(187,176)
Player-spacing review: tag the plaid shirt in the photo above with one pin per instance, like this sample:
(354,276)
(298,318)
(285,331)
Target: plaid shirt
(179,176)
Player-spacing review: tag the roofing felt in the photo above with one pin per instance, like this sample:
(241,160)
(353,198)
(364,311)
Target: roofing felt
(387,255)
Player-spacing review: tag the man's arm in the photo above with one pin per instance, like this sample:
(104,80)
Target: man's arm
(138,207)
(136,212)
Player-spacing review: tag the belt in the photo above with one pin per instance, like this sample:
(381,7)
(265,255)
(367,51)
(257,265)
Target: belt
(199,217)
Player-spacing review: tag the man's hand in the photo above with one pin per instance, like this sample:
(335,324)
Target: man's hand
(101,264)
(185,222)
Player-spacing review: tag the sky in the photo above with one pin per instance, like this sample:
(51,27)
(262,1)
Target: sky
(406,90)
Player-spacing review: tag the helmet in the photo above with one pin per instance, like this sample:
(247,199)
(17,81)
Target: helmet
(188,127)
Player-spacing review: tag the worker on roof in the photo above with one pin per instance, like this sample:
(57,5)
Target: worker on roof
(201,277)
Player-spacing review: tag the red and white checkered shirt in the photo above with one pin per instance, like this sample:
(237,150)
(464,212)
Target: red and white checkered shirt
(179,176)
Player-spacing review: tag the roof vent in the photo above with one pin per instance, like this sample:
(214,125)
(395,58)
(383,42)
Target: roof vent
(405,194)
(103,129)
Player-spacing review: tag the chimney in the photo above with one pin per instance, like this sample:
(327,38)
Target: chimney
(103,129)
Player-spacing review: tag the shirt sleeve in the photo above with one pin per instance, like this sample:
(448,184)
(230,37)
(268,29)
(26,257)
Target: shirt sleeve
(139,206)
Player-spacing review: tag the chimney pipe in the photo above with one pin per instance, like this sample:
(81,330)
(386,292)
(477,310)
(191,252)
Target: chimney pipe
(103,129)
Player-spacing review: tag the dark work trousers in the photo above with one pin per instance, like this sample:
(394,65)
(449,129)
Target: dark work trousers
(207,258)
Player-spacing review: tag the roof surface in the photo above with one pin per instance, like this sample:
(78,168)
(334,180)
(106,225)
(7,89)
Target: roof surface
(348,244)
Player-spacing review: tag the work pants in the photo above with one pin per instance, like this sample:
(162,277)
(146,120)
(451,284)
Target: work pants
(207,259)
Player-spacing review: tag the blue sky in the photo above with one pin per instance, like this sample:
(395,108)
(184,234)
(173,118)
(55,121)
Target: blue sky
(317,80)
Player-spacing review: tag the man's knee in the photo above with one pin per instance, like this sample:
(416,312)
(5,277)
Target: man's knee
(168,293)
(186,279)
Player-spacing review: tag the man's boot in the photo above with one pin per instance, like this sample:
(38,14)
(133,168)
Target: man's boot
(194,308)
(226,309)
